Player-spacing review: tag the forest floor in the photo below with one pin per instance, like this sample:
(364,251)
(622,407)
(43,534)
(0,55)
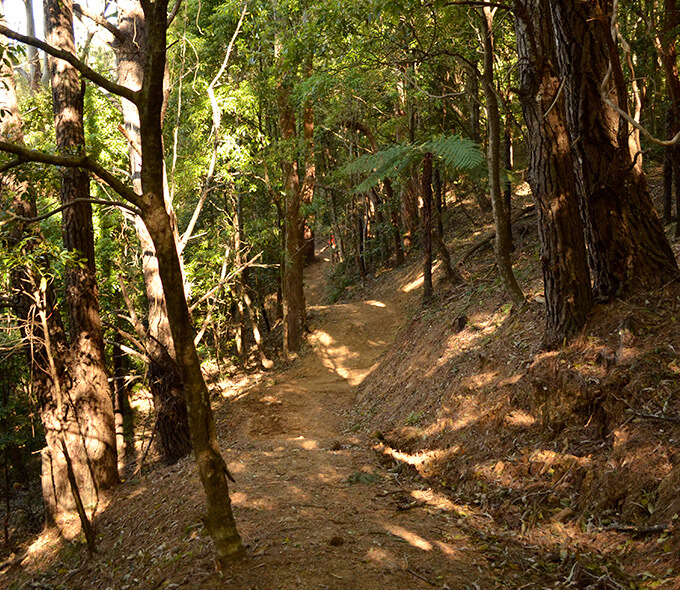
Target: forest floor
(422,447)
(315,506)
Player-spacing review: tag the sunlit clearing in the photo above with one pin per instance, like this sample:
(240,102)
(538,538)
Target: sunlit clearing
(520,419)
(375,303)
(412,538)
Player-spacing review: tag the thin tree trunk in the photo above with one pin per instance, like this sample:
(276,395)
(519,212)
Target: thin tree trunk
(502,242)
(668,169)
(34,67)
(451,273)
(293,292)
(219,520)
(427,228)
(163,374)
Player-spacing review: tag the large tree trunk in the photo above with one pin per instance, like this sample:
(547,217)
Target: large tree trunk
(212,469)
(551,176)
(81,424)
(627,247)
(163,375)
(503,243)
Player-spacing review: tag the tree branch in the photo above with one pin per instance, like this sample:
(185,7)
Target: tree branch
(71,204)
(99,20)
(480,3)
(85,70)
(174,11)
(26,155)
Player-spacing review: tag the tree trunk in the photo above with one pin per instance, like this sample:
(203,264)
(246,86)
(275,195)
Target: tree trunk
(451,273)
(627,247)
(665,44)
(668,169)
(86,432)
(502,242)
(427,228)
(568,293)
(395,222)
(219,520)
(293,292)
(507,185)
(34,68)
(163,375)
(309,182)
(121,404)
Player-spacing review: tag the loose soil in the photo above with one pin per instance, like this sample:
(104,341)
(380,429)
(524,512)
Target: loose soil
(315,505)
(413,447)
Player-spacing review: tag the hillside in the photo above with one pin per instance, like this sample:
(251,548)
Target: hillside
(417,447)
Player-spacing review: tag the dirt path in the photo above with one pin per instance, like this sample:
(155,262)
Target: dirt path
(314,502)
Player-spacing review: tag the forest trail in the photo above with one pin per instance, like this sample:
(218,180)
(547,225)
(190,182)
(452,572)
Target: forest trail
(315,505)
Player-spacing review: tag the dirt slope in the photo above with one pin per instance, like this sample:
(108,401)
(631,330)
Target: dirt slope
(315,506)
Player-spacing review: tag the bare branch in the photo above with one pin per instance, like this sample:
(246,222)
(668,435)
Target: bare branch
(662,142)
(216,130)
(174,11)
(71,204)
(85,162)
(85,70)
(99,20)
(134,319)
(480,3)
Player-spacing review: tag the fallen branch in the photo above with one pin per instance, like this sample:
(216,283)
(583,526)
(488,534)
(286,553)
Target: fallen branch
(675,419)
(657,529)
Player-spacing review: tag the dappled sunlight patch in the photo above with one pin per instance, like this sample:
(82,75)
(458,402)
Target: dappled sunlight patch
(243,500)
(480,380)
(375,303)
(310,445)
(436,500)
(520,419)
(382,557)
(409,536)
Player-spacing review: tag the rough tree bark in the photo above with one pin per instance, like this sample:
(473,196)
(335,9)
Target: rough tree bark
(568,292)
(165,384)
(86,424)
(627,247)
(293,292)
(503,243)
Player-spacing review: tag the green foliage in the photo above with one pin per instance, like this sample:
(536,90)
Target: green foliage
(455,152)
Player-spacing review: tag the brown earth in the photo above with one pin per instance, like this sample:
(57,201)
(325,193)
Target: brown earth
(315,506)
(417,447)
